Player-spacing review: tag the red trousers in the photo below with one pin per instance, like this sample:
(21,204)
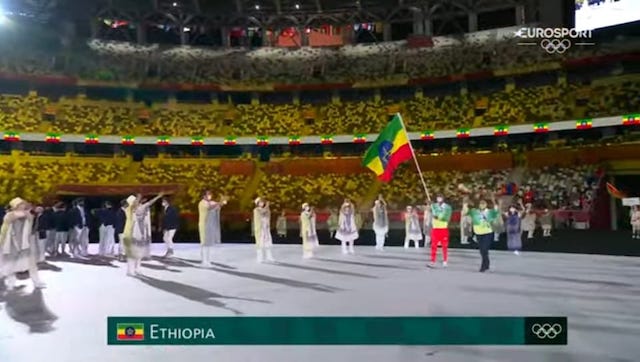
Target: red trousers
(439,237)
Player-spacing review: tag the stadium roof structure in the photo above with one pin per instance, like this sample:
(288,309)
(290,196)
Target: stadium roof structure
(261,13)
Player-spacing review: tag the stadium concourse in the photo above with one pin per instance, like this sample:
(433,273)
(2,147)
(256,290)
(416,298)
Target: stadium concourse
(598,294)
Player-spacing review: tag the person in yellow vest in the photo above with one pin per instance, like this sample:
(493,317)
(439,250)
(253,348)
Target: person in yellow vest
(262,230)
(209,225)
(307,231)
(482,219)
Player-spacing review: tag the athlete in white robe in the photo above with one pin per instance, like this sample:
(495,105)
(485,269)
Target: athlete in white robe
(528,223)
(17,244)
(209,225)
(380,222)
(307,232)
(412,228)
(262,230)
(347,229)
(134,235)
(635,222)
(281,225)
(314,230)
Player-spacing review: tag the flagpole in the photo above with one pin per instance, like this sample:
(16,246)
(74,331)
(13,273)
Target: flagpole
(415,160)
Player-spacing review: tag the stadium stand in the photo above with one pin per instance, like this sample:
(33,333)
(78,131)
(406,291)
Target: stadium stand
(545,103)
(21,113)
(195,176)
(36,177)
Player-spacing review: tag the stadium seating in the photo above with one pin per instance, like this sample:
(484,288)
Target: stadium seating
(195,176)
(521,105)
(185,122)
(21,113)
(558,188)
(34,178)
(103,118)
(287,192)
(406,187)
(107,60)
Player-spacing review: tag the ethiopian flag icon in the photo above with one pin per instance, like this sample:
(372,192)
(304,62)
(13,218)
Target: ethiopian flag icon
(390,149)
(130,331)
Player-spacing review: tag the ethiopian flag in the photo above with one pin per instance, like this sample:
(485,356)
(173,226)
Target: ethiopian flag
(390,149)
(130,331)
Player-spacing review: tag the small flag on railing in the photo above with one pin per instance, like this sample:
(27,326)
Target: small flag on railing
(631,120)
(91,139)
(230,141)
(197,141)
(584,124)
(262,141)
(52,138)
(501,130)
(128,140)
(326,139)
(294,140)
(163,141)
(427,136)
(359,138)
(463,133)
(12,136)
(541,127)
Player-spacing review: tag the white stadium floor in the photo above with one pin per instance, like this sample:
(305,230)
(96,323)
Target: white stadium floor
(67,321)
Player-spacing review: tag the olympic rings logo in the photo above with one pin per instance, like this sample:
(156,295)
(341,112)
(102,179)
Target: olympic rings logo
(546,330)
(555,46)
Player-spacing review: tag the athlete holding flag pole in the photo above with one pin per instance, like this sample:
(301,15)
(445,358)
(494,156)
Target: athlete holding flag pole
(390,149)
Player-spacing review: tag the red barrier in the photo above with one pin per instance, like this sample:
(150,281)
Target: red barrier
(235,167)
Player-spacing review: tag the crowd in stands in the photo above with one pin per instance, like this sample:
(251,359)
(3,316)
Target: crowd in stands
(407,189)
(513,106)
(551,187)
(561,188)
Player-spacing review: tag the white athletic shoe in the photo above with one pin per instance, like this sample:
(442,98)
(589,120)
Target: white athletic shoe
(516,252)
(444,264)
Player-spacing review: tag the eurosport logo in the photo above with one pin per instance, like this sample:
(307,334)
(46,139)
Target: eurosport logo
(546,330)
(554,40)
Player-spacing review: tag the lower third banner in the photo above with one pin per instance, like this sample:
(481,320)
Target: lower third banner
(336,330)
